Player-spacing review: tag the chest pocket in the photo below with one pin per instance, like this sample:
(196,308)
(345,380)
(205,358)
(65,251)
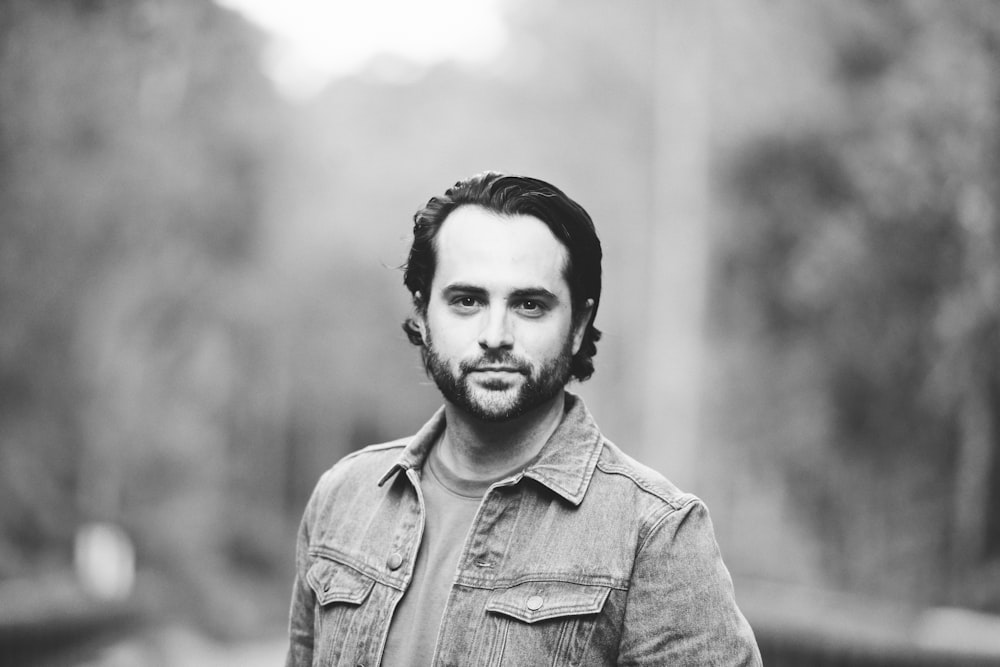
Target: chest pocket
(548,622)
(342,621)
(335,582)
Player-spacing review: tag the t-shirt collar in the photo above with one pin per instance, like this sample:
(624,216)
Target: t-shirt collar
(565,465)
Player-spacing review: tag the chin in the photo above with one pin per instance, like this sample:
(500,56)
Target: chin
(500,402)
(502,406)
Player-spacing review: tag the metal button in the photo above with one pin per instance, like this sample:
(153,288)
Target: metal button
(534,602)
(395,560)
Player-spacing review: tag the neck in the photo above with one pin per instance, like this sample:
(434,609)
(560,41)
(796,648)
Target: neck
(478,450)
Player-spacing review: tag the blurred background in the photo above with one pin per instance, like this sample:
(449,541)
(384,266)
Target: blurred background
(203,208)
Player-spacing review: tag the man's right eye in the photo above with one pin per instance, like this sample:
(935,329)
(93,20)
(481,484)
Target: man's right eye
(465,303)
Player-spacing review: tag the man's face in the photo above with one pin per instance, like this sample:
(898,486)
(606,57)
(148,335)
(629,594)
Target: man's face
(499,325)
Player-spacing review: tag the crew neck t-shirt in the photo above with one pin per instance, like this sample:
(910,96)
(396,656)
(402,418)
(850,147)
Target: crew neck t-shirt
(450,504)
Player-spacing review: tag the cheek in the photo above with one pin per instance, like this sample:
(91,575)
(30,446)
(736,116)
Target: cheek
(549,343)
(450,336)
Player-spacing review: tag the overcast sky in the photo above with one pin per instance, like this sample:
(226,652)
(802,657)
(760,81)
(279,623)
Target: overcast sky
(316,40)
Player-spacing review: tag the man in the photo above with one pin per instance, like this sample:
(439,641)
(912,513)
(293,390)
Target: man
(508,530)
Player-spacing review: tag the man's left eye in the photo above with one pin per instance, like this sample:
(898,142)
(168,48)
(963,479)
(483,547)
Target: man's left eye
(531,307)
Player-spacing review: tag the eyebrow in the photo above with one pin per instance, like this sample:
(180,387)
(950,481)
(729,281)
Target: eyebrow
(534,293)
(520,293)
(463,288)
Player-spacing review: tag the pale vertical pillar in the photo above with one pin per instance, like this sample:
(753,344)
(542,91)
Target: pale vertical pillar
(678,239)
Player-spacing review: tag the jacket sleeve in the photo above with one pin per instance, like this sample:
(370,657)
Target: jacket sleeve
(680,608)
(300,622)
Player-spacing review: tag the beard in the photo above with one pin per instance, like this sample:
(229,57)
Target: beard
(498,400)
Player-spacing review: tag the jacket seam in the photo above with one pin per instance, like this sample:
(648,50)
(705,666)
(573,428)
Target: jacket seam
(327,553)
(677,501)
(499,583)
(691,500)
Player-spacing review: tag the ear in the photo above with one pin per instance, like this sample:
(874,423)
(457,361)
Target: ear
(581,322)
(419,318)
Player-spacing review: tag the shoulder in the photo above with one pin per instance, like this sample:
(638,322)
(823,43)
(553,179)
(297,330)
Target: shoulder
(372,455)
(359,470)
(617,464)
(667,517)
(655,503)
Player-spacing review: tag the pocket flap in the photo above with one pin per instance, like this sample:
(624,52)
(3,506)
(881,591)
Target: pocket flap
(335,582)
(540,600)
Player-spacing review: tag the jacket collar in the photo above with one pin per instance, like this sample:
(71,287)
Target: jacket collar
(565,465)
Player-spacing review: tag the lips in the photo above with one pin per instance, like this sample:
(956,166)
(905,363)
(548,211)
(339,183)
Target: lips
(495,365)
(496,374)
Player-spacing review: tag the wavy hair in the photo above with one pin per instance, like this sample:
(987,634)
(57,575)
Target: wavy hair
(513,195)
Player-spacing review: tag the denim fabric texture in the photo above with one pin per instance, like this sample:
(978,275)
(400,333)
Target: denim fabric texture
(586,557)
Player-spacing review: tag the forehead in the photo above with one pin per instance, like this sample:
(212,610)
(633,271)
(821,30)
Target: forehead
(481,247)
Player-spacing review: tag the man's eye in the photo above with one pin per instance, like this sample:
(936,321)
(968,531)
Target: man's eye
(465,302)
(532,308)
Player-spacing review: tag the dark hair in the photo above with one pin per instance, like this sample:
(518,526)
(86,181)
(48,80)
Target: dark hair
(514,195)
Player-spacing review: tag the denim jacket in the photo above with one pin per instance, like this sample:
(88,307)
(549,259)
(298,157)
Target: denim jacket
(584,558)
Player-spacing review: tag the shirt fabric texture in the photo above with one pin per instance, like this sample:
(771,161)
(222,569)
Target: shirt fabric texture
(586,557)
(450,504)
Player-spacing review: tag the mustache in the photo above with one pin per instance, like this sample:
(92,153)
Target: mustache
(494,358)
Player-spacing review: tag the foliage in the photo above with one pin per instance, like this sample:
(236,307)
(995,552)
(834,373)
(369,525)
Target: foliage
(870,245)
(132,145)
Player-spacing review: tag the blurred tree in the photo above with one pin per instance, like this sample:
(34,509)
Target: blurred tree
(866,248)
(133,140)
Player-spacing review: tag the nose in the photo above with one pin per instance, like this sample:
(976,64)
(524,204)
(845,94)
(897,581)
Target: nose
(496,333)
